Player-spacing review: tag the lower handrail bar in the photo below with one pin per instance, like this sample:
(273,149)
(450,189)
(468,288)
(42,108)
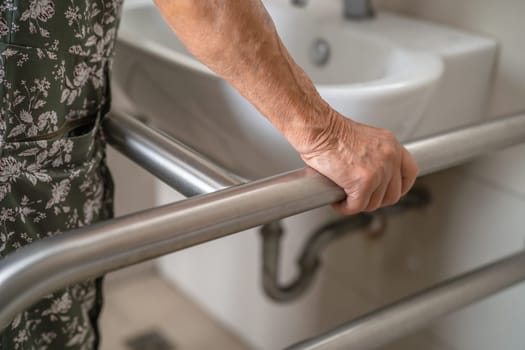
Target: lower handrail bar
(181,167)
(53,263)
(414,312)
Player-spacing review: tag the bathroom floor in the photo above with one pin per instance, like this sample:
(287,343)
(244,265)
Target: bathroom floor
(144,312)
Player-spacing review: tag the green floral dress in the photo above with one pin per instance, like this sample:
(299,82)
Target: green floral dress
(55,59)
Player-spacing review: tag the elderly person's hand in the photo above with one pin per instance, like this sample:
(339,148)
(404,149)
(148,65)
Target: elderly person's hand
(372,167)
(238,40)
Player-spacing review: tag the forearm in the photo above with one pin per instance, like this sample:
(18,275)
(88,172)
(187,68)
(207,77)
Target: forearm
(238,40)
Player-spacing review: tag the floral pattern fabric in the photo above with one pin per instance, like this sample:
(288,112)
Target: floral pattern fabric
(55,59)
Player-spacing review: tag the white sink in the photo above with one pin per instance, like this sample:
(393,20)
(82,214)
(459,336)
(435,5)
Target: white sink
(374,75)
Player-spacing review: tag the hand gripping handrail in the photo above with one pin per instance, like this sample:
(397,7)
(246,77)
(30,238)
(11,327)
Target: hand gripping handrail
(53,263)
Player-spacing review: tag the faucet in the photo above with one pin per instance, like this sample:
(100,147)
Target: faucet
(353,9)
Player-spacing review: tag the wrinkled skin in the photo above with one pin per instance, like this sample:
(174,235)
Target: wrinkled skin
(238,40)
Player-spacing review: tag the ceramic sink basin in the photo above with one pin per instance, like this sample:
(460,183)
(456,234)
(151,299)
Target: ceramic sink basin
(372,76)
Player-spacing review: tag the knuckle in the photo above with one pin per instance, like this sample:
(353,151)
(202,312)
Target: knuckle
(368,179)
(390,152)
(362,173)
(363,180)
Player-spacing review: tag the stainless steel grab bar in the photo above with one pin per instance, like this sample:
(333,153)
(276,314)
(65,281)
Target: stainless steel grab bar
(176,164)
(52,263)
(414,312)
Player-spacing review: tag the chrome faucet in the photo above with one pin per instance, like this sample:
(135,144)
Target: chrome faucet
(353,9)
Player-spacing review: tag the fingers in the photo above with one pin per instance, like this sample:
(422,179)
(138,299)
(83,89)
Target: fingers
(355,202)
(385,191)
(376,199)
(358,194)
(370,200)
(409,171)
(394,191)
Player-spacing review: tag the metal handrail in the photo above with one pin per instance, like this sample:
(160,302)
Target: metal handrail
(410,314)
(53,263)
(173,162)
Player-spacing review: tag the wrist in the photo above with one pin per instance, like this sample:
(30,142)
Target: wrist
(319,132)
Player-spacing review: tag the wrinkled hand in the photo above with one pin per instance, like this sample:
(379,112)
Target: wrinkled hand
(238,40)
(372,167)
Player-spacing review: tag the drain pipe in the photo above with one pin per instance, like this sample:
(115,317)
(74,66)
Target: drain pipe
(309,261)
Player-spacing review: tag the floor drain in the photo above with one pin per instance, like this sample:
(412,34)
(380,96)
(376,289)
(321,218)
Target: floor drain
(150,340)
